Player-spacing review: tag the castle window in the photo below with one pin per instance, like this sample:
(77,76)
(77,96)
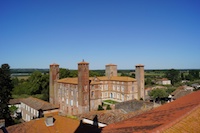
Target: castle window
(92,93)
(111,95)
(118,88)
(118,96)
(113,87)
(71,102)
(66,101)
(114,95)
(77,103)
(122,88)
(71,93)
(105,94)
(122,97)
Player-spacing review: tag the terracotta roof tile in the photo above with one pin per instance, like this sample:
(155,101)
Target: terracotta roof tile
(103,78)
(15,101)
(160,118)
(117,78)
(39,104)
(68,80)
(61,125)
(188,124)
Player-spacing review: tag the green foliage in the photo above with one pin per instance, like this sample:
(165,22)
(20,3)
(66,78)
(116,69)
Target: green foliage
(100,108)
(73,73)
(13,109)
(111,101)
(37,84)
(148,81)
(96,73)
(158,93)
(170,90)
(125,74)
(108,107)
(63,73)
(193,75)
(173,75)
(6,87)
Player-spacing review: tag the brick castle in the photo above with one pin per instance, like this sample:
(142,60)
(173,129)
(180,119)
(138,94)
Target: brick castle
(83,94)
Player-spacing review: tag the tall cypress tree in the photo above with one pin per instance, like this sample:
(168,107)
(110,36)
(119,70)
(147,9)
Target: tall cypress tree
(5,93)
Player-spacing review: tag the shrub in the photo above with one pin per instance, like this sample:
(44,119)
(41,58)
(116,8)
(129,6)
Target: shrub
(100,108)
(108,107)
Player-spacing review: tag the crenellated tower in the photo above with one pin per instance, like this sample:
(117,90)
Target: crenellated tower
(83,87)
(53,75)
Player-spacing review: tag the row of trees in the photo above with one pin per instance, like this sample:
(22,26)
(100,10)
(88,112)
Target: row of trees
(74,73)
(176,76)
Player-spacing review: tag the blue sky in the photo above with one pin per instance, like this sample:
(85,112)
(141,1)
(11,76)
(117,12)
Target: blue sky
(161,34)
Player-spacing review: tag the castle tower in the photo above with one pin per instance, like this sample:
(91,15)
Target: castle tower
(139,74)
(111,70)
(83,87)
(54,75)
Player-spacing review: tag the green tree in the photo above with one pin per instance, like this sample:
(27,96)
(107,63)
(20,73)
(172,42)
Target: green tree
(108,107)
(158,93)
(170,90)
(173,75)
(193,74)
(73,73)
(94,73)
(100,108)
(13,109)
(6,87)
(63,73)
(36,85)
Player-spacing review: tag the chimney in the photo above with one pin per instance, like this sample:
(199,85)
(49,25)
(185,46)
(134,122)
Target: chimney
(2,123)
(49,121)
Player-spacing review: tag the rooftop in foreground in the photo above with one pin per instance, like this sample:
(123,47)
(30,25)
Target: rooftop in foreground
(61,125)
(183,113)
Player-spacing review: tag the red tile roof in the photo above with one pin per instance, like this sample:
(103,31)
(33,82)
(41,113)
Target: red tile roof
(61,125)
(160,118)
(39,104)
(103,78)
(15,101)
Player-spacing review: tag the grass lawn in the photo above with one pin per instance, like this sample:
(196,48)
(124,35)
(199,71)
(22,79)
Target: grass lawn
(111,101)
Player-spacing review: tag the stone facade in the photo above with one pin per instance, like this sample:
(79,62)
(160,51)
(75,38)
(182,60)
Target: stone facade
(83,94)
